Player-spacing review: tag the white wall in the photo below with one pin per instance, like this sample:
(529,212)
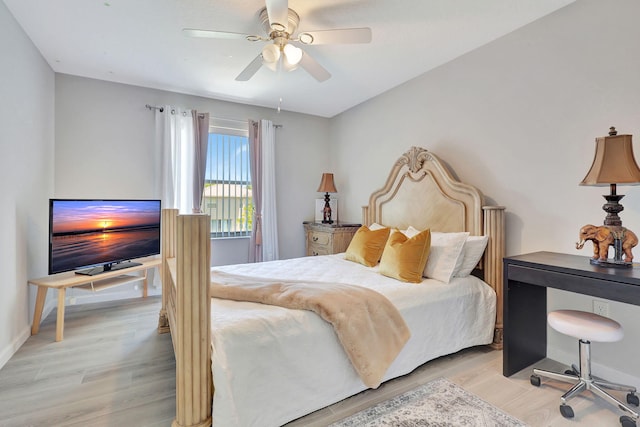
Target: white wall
(518,118)
(26,177)
(105,149)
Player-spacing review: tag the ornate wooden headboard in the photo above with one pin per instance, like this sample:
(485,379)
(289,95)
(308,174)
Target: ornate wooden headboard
(421,192)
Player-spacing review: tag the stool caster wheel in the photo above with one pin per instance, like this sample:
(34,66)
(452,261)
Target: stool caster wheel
(571,372)
(535,380)
(627,421)
(632,399)
(567,412)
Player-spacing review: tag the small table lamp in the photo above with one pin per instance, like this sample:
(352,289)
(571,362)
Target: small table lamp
(327,186)
(613,164)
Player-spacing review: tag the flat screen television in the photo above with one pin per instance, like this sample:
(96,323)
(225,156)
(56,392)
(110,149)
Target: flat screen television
(95,236)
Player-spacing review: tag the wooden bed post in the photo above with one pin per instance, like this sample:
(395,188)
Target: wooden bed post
(194,386)
(168,251)
(494,227)
(186,312)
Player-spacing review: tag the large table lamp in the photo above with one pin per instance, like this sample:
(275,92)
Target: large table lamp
(613,164)
(327,186)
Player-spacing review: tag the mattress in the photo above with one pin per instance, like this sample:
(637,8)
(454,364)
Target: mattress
(272,365)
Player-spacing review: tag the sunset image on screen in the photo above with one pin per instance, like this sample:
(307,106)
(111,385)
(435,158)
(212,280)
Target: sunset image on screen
(77,217)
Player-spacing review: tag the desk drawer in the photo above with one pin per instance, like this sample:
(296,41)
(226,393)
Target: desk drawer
(611,290)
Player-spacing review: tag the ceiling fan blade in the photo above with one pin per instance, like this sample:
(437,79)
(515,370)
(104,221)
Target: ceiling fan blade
(278,12)
(192,32)
(344,35)
(250,69)
(312,67)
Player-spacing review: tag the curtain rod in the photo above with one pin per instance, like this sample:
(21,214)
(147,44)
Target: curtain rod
(161,109)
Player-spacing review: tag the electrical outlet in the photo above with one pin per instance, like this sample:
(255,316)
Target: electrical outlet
(601,308)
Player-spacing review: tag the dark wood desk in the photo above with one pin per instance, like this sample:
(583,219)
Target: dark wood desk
(527,278)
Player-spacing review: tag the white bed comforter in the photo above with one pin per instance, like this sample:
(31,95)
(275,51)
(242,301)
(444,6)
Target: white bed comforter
(272,365)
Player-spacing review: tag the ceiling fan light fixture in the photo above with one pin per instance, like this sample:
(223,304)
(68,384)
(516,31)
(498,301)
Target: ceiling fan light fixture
(280,25)
(292,54)
(271,54)
(273,66)
(305,38)
(287,66)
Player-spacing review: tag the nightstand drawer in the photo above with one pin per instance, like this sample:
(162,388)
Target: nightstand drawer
(314,250)
(319,238)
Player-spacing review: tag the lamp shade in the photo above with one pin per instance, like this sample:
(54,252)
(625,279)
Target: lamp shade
(326,184)
(614,162)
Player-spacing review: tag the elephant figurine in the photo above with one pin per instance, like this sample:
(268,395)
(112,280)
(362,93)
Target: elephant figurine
(603,237)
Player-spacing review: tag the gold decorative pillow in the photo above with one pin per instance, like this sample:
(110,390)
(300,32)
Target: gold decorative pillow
(404,258)
(367,245)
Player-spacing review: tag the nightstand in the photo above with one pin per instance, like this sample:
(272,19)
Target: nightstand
(327,239)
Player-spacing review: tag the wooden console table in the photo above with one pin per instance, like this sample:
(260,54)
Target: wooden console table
(62,281)
(527,278)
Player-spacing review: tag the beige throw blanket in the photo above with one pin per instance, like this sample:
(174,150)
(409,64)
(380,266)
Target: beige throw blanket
(370,329)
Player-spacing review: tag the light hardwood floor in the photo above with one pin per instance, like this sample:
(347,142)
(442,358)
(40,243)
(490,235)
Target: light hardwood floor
(113,369)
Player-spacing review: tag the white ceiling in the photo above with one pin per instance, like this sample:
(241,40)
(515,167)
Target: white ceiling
(139,42)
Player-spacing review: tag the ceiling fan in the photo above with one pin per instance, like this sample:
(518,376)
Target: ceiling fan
(280,24)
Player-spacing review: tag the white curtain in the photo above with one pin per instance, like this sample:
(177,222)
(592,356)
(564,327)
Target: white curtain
(177,132)
(255,163)
(264,237)
(269,211)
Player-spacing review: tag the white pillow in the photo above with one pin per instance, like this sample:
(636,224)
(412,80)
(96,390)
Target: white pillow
(445,254)
(471,253)
(375,226)
(411,231)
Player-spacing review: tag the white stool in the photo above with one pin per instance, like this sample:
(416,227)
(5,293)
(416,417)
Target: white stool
(588,327)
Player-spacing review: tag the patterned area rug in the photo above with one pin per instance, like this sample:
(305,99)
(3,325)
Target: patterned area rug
(438,403)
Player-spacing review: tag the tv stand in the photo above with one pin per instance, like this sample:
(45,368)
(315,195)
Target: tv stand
(114,266)
(105,279)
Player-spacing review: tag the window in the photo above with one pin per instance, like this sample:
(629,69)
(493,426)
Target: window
(227,189)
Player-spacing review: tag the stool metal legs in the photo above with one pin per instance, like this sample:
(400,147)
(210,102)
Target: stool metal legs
(583,380)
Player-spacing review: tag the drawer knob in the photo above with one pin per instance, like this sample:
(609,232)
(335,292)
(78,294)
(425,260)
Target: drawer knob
(315,238)
(315,253)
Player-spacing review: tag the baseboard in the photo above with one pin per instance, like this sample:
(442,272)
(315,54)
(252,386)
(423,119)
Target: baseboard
(11,349)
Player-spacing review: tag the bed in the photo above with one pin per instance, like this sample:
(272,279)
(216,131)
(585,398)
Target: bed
(271,364)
